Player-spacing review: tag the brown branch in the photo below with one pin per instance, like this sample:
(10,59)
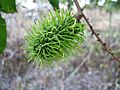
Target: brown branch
(105,46)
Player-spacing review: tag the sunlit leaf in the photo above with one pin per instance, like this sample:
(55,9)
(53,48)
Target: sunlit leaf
(8,6)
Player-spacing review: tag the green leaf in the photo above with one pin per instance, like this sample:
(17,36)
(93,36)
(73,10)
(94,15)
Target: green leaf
(63,1)
(54,3)
(3,34)
(8,6)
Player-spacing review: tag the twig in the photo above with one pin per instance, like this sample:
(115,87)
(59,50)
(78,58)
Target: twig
(108,49)
(85,59)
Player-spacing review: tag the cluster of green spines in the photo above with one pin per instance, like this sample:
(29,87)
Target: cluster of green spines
(55,38)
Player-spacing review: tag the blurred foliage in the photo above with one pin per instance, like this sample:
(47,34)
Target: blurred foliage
(108,5)
(69,3)
(94,2)
(54,3)
(112,5)
(6,6)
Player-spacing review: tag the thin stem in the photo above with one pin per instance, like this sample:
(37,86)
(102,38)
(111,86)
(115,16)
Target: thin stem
(78,7)
(105,46)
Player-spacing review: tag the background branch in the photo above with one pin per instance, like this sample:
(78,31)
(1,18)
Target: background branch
(105,46)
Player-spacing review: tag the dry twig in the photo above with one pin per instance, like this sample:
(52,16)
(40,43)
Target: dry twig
(85,59)
(105,46)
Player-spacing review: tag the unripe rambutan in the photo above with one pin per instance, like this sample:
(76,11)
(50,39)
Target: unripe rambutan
(54,39)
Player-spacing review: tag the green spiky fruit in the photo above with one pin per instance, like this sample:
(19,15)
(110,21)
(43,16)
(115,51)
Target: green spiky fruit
(54,39)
